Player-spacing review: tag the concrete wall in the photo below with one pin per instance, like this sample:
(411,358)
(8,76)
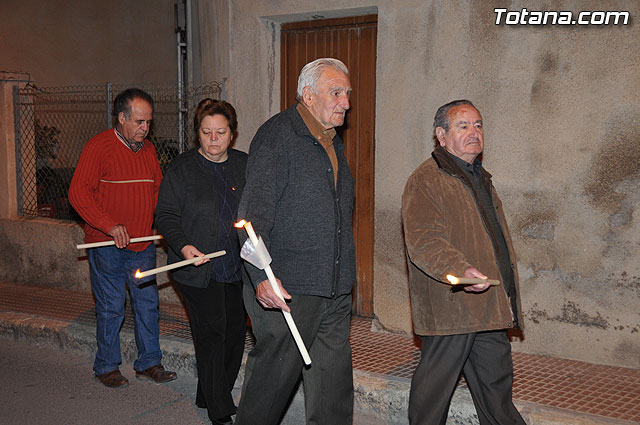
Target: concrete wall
(9,82)
(72,42)
(42,251)
(562,119)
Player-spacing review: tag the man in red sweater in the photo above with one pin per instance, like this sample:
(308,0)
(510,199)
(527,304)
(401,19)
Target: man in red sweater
(115,189)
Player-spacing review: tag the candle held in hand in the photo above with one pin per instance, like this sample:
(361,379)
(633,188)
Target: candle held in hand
(470,280)
(274,285)
(108,243)
(172,266)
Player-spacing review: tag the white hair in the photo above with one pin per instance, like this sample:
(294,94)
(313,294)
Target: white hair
(311,72)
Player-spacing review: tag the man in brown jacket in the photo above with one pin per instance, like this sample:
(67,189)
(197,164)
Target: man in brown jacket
(454,224)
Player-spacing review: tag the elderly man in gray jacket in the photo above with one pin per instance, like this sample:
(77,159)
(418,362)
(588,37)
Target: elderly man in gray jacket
(299,196)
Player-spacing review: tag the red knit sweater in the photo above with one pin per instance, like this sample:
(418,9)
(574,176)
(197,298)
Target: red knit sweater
(114,185)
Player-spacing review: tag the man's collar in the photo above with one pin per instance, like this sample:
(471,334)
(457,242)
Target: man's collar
(447,162)
(317,130)
(134,146)
(474,168)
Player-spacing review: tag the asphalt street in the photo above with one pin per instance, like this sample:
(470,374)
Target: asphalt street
(42,385)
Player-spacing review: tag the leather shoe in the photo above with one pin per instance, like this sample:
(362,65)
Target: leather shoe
(223,421)
(157,374)
(113,379)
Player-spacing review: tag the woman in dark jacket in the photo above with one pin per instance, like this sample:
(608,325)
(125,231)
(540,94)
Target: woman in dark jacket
(196,210)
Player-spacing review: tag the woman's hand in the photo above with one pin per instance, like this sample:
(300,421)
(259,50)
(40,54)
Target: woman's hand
(190,251)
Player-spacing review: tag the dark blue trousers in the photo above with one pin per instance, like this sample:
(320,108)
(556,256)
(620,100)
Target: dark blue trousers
(112,271)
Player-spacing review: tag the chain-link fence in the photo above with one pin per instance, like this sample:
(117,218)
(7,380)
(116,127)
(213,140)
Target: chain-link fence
(53,125)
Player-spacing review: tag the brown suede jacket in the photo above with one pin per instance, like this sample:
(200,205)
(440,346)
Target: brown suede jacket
(445,234)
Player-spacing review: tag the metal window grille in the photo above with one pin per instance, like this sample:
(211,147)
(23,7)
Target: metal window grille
(53,125)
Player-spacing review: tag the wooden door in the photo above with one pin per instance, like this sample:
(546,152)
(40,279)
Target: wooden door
(353,41)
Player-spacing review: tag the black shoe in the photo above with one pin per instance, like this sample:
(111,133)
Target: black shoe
(223,421)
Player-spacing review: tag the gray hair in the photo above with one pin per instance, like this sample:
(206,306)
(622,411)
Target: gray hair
(311,72)
(442,115)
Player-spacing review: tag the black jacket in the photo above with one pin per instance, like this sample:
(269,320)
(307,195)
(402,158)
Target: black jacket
(188,208)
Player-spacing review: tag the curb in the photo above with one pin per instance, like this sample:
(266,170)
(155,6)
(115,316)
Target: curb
(382,398)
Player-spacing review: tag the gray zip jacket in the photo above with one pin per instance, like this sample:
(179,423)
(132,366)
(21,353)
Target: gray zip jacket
(291,201)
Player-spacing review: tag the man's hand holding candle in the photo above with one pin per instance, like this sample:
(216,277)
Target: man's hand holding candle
(269,299)
(120,235)
(480,287)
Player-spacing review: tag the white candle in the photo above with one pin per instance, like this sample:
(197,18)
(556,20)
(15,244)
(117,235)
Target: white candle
(470,280)
(252,234)
(172,266)
(274,285)
(107,243)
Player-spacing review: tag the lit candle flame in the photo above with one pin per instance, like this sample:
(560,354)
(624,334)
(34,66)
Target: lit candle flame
(454,280)
(138,274)
(240,224)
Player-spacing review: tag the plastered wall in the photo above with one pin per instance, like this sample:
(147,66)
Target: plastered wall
(561,115)
(80,42)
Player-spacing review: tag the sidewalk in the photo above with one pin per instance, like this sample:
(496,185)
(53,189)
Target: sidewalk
(546,390)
